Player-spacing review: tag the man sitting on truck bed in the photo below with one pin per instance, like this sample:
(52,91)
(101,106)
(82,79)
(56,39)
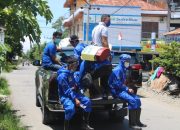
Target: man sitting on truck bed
(120,90)
(78,47)
(70,95)
(49,59)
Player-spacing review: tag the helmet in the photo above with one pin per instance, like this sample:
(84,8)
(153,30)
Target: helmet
(124,57)
(73,38)
(72,62)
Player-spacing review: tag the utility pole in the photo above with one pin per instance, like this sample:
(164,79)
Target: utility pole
(74,9)
(169,14)
(87,22)
(2,36)
(87,18)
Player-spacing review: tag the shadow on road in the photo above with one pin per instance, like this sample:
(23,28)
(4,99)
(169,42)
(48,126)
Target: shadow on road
(100,121)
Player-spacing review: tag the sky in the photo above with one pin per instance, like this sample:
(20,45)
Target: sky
(57,9)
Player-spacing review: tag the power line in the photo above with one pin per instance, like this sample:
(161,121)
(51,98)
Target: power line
(87,2)
(121,7)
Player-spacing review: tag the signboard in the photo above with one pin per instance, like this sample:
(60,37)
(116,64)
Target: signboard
(116,19)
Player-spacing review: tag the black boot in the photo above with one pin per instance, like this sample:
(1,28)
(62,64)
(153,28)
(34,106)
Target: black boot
(66,124)
(132,120)
(86,125)
(138,112)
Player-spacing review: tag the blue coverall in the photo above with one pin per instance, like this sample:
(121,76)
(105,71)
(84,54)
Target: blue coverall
(67,88)
(88,66)
(118,89)
(77,51)
(47,62)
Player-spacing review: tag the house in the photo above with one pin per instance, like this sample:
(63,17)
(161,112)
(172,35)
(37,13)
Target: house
(174,10)
(175,14)
(173,35)
(133,20)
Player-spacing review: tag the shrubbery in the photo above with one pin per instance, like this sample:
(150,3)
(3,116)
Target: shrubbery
(8,119)
(170,59)
(4,86)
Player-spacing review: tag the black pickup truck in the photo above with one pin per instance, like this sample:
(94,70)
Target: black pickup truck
(47,94)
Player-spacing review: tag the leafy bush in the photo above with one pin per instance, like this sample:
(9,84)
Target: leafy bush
(8,120)
(4,48)
(170,59)
(4,86)
(35,52)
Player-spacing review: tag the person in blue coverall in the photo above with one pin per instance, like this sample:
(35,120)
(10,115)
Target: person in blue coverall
(70,94)
(49,59)
(120,90)
(78,47)
(87,67)
(96,70)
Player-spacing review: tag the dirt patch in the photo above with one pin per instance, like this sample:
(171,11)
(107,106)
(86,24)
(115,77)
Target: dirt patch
(163,96)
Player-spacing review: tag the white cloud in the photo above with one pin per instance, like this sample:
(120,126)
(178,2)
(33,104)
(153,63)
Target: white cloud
(26,44)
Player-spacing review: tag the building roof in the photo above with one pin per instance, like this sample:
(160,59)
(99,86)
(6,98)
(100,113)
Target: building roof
(174,32)
(144,5)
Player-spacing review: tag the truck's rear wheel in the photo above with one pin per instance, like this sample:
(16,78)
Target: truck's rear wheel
(46,115)
(116,116)
(37,100)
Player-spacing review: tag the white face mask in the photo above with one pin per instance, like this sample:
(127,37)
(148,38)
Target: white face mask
(126,64)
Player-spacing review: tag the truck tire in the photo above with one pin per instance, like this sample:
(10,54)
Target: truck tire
(115,116)
(37,100)
(46,116)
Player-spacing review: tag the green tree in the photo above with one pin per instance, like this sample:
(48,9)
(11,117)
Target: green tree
(36,52)
(3,49)
(170,59)
(58,25)
(19,17)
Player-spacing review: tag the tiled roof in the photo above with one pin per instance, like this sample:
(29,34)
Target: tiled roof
(174,32)
(144,5)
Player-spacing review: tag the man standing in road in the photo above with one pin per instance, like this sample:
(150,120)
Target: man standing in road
(49,59)
(120,90)
(100,32)
(70,94)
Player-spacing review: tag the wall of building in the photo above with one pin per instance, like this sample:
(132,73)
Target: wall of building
(162,23)
(125,22)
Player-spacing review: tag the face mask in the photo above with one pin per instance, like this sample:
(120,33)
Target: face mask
(108,23)
(57,41)
(126,64)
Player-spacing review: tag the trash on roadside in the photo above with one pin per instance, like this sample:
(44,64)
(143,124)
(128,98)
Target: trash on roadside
(3,99)
(160,82)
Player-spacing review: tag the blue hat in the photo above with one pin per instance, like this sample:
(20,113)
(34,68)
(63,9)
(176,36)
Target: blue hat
(124,57)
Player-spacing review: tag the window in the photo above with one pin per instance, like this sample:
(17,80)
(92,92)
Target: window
(148,28)
(177,1)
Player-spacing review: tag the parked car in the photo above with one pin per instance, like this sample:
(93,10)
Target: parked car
(47,96)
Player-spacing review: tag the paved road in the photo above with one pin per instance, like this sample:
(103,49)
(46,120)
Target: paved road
(158,115)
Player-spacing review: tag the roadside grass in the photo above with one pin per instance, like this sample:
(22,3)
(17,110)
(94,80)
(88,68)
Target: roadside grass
(8,119)
(10,67)
(4,86)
